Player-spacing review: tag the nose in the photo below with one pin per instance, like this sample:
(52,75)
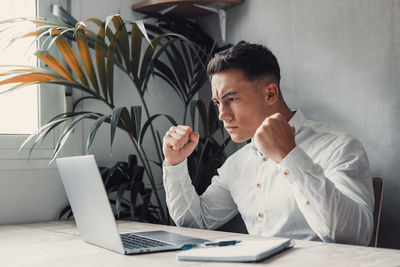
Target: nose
(225,114)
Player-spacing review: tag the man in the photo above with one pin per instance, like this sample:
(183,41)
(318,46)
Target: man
(296,178)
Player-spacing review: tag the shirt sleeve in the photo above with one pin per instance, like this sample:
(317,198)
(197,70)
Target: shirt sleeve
(209,211)
(336,199)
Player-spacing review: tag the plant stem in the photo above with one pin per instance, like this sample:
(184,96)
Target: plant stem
(184,116)
(158,150)
(145,161)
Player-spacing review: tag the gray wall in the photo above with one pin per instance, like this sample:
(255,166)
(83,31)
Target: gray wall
(340,64)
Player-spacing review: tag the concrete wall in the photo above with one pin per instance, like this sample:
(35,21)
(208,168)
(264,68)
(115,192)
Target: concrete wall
(340,64)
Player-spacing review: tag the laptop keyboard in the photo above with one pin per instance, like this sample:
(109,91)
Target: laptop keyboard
(132,241)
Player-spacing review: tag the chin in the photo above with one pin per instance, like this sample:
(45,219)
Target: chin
(238,139)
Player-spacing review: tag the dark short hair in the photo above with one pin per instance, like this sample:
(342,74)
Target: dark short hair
(256,61)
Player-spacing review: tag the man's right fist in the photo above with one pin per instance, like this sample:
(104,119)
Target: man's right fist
(178,143)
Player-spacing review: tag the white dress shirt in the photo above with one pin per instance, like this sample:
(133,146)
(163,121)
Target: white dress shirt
(322,190)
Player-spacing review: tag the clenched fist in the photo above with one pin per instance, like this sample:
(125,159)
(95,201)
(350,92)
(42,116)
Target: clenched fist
(178,143)
(275,137)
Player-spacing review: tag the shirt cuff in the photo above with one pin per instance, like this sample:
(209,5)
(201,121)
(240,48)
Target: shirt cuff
(295,164)
(174,172)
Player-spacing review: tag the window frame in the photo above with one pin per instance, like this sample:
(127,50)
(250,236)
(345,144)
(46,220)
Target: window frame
(51,102)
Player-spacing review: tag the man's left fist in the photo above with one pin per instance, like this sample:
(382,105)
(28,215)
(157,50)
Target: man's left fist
(275,137)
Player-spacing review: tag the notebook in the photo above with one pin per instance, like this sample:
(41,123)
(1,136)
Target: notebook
(246,251)
(94,217)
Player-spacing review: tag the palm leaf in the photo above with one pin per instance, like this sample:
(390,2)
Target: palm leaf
(150,120)
(136,121)
(144,66)
(120,195)
(69,56)
(100,51)
(82,99)
(84,52)
(29,78)
(114,122)
(54,64)
(60,12)
(93,131)
(68,130)
(110,64)
(136,45)
(123,39)
(203,114)
(41,132)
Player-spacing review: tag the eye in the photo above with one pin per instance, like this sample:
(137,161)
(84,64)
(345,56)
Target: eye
(232,99)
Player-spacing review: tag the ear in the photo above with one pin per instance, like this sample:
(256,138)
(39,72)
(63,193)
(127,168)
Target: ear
(271,92)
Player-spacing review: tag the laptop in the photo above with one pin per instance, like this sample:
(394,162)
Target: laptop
(94,217)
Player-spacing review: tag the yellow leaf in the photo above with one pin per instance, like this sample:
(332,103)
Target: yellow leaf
(69,56)
(29,78)
(83,49)
(55,65)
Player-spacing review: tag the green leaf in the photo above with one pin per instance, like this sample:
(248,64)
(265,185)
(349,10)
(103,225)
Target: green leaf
(142,28)
(120,195)
(150,120)
(93,131)
(168,75)
(202,112)
(60,12)
(136,46)
(100,24)
(110,65)
(114,122)
(136,121)
(123,40)
(41,134)
(82,99)
(67,132)
(213,118)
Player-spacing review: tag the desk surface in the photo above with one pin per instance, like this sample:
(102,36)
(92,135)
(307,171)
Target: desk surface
(58,244)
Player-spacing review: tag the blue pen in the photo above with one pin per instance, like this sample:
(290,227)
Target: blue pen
(211,244)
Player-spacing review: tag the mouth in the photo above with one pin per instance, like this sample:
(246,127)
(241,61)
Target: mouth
(231,128)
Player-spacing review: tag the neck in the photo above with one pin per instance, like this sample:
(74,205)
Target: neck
(281,107)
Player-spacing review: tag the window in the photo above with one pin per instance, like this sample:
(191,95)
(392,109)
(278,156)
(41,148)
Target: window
(42,103)
(19,109)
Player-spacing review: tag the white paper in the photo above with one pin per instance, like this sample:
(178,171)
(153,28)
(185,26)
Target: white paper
(244,251)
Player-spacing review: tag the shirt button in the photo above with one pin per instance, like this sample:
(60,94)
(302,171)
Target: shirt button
(286,173)
(308,203)
(265,158)
(260,215)
(258,186)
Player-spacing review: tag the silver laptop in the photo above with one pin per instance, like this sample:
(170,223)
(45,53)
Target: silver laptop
(94,217)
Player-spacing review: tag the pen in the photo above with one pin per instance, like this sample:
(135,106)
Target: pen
(211,244)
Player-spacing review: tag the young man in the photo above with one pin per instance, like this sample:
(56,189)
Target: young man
(297,178)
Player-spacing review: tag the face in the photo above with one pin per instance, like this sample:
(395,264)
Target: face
(242,104)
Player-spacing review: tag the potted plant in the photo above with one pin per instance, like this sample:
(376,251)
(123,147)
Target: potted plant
(128,47)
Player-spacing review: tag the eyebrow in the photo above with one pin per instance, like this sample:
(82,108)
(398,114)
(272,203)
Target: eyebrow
(226,95)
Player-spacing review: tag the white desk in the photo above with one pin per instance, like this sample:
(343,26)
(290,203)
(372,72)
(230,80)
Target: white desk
(58,244)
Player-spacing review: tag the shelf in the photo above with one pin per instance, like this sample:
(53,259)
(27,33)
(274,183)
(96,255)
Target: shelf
(185,8)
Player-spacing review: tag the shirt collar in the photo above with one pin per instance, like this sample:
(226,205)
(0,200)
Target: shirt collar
(297,121)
